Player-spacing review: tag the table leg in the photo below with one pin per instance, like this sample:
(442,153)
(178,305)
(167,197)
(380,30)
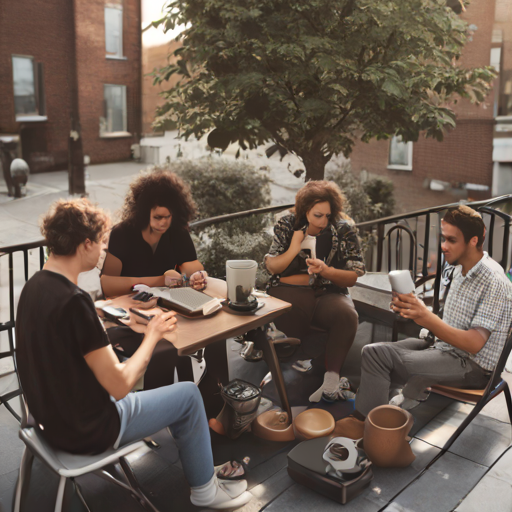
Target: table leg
(216,373)
(269,353)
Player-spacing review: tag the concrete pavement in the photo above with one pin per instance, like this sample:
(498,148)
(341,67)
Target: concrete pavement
(106,185)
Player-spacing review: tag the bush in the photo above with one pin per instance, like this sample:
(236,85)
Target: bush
(220,186)
(380,191)
(365,201)
(223,247)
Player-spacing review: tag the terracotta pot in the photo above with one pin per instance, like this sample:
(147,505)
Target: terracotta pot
(385,437)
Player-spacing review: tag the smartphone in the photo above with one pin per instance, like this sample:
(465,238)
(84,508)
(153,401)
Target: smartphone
(401,281)
(113,313)
(305,253)
(141,314)
(143,296)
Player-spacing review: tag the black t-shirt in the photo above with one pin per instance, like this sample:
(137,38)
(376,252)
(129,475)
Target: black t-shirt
(175,248)
(56,326)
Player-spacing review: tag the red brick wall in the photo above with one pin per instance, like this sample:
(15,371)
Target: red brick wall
(95,70)
(44,30)
(40,29)
(464,156)
(155,57)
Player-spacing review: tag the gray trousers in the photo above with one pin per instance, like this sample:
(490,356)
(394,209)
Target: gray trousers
(414,364)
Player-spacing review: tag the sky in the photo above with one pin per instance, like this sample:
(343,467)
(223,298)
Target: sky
(152,11)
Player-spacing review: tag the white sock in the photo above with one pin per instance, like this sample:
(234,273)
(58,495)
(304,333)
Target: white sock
(220,495)
(330,385)
(204,494)
(405,403)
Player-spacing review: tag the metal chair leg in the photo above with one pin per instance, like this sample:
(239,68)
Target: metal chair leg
(469,418)
(60,494)
(81,496)
(23,478)
(135,485)
(508,399)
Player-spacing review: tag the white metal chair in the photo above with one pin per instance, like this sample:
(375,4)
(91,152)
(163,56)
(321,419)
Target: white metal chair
(68,465)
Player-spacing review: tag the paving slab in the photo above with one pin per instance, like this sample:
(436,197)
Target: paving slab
(387,482)
(494,491)
(441,487)
(483,440)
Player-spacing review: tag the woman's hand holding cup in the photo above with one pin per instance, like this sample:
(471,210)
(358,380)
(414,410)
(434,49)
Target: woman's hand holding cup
(162,323)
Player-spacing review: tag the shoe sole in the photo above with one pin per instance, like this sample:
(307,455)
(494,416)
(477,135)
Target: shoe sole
(237,502)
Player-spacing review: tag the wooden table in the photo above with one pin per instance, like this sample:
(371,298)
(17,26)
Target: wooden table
(193,334)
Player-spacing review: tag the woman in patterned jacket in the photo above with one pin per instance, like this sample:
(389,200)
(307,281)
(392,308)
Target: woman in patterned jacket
(314,258)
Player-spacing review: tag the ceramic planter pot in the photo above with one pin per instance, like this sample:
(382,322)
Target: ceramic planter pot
(386,440)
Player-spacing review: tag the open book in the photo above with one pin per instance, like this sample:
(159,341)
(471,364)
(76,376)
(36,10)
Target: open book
(185,300)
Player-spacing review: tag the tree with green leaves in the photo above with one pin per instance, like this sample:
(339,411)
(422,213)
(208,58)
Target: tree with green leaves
(314,76)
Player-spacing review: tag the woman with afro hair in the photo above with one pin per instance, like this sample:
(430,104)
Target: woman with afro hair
(152,240)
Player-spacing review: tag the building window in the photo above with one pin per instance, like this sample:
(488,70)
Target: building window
(114,31)
(400,154)
(114,121)
(28,88)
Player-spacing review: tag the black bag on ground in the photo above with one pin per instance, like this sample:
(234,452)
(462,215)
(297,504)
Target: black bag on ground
(307,466)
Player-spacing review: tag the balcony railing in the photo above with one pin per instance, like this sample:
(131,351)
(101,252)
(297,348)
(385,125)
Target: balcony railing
(391,242)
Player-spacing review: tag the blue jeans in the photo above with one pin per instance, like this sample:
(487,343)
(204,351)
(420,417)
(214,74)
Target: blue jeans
(179,407)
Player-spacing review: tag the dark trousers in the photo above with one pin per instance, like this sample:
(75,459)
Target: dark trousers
(414,364)
(160,370)
(332,312)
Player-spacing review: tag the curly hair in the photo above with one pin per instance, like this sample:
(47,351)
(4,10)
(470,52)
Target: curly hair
(158,188)
(68,223)
(314,192)
(469,221)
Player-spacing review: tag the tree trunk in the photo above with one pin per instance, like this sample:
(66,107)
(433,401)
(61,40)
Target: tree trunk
(314,162)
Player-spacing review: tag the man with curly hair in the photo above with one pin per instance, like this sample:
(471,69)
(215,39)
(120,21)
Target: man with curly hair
(77,390)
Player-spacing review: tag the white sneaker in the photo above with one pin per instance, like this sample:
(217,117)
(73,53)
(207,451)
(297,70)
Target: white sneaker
(405,403)
(342,393)
(230,494)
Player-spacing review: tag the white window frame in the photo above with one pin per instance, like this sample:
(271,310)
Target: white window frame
(39,113)
(400,167)
(118,10)
(104,121)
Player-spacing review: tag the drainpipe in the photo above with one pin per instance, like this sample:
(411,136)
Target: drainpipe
(76,172)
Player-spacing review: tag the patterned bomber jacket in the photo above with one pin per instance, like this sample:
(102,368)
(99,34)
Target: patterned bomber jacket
(345,249)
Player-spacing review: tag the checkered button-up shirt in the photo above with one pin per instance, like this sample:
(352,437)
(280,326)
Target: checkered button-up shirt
(481,298)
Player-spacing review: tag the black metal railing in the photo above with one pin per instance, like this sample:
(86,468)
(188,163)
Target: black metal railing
(381,232)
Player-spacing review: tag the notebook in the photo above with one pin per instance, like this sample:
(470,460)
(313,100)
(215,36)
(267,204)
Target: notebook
(186,301)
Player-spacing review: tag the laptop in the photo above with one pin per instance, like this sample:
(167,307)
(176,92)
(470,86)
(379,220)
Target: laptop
(186,301)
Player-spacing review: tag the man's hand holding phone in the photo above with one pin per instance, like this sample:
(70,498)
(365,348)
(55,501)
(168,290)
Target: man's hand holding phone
(162,323)
(409,306)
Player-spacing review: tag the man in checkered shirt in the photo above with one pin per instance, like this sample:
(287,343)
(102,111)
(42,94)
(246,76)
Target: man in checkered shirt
(469,338)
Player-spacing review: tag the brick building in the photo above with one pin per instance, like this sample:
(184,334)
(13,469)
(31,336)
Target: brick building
(70,65)
(155,57)
(428,172)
